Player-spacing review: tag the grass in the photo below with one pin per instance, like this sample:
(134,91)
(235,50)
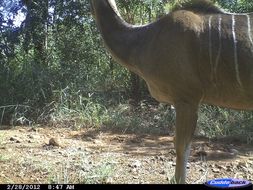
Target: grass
(75,110)
(102,173)
(215,122)
(78,111)
(144,119)
(89,112)
(83,171)
(18,114)
(4,158)
(30,164)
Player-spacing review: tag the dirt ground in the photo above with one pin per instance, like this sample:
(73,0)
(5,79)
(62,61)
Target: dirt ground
(63,155)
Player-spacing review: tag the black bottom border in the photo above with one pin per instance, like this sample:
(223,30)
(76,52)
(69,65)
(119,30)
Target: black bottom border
(110,186)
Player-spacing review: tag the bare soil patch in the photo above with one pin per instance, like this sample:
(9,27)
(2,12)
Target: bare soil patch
(63,155)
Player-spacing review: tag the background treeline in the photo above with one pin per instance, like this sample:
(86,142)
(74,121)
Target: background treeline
(55,70)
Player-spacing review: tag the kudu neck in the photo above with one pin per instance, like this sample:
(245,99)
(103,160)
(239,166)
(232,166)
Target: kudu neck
(107,15)
(118,35)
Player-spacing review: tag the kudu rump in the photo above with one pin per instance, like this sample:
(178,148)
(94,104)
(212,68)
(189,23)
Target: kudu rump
(195,54)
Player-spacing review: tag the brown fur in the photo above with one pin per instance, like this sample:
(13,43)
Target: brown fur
(194,55)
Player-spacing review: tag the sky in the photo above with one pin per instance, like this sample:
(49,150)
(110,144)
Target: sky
(5,9)
(19,19)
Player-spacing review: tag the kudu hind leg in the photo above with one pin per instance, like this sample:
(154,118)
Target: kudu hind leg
(186,121)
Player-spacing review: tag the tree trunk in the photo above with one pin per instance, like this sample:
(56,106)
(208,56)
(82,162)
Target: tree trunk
(135,93)
(36,34)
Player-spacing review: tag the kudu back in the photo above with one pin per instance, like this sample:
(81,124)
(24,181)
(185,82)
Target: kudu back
(196,54)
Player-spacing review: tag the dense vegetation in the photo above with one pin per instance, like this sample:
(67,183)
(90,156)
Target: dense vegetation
(54,69)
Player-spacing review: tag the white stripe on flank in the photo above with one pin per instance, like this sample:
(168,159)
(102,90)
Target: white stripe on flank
(210,46)
(235,52)
(220,46)
(249,31)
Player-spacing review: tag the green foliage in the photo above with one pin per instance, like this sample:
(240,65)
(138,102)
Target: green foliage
(140,12)
(67,53)
(240,6)
(147,118)
(54,68)
(201,5)
(215,121)
(77,111)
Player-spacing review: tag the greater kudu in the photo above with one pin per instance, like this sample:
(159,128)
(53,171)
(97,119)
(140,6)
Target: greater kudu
(195,54)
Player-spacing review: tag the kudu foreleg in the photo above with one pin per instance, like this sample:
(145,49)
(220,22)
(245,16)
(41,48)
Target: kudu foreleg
(186,121)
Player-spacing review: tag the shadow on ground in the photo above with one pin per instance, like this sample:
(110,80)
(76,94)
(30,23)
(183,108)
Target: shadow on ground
(151,143)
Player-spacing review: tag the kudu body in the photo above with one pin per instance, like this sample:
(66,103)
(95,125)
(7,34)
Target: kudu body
(191,56)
